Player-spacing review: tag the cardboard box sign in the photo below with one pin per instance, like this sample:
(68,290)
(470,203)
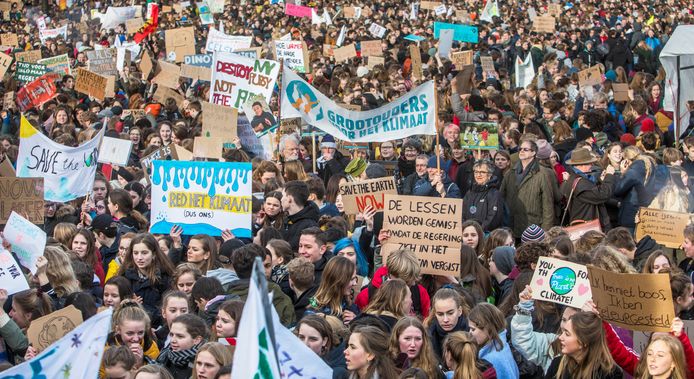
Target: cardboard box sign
(461,58)
(44,331)
(91,84)
(371,48)
(590,76)
(344,53)
(179,43)
(22,195)
(544,24)
(356,196)
(664,227)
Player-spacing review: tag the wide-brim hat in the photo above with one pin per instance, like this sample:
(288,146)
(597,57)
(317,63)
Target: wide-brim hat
(581,156)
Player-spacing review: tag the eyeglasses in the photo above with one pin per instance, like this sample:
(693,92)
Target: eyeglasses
(478,172)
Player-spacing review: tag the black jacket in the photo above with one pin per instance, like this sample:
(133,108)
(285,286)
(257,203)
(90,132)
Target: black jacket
(551,373)
(302,302)
(484,204)
(294,224)
(151,293)
(319,266)
(334,166)
(588,200)
(437,334)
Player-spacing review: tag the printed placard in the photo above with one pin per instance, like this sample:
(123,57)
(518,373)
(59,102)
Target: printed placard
(560,282)
(236,79)
(462,33)
(371,48)
(377,30)
(294,54)
(590,76)
(358,195)
(115,150)
(211,197)
(633,301)
(297,10)
(27,239)
(344,53)
(59,64)
(90,83)
(479,135)
(179,43)
(261,117)
(27,72)
(21,195)
(664,227)
(224,43)
(429,226)
(11,277)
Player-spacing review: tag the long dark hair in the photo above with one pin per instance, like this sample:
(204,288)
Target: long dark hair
(160,263)
(122,198)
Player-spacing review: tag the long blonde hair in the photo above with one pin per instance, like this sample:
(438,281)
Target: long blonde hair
(594,356)
(389,298)
(426,359)
(463,350)
(633,154)
(220,353)
(337,274)
(59,271)
(677,353)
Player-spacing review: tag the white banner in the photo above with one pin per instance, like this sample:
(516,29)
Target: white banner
(117,15)
(224,43)
(292,54)
(236,79)
(76,355)
(45,34)
(67,172)
(525,72)
(413,113)
(491,9)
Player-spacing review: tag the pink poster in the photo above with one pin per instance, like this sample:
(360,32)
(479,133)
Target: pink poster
(297,10)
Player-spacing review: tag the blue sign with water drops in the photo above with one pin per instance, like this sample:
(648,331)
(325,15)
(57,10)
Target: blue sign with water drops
(201,197)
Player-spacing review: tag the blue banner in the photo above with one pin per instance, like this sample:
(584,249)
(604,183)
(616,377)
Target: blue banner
(462,33)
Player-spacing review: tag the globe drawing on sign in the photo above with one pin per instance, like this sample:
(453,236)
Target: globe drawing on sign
(304,100)
(562,281)
(54,329)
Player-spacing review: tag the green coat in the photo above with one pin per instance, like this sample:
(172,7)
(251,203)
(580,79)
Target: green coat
(531,201)
(283,304)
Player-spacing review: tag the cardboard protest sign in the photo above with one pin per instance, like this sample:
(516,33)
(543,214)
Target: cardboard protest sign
(377,30)
(461,58)
(59,64)
(6,169)
(207,147)
(429,5)
(9,39)
(344,53)
(136,114)
(358,195)
(27,239)
(146,64)
(371,48)
(219,122)
(133,25)
(621,91)
(351,12)
(8,101)
(21,195)
(430,226)
(374,61)
(633,301)
(464,80)
(219,42)
(544,24)
(561,282)
(235,79)
(554,9)
(416,57)
(164,153)
(294,54)
(67,172)
(168,75)
(196,72)
(44,331)
(300,99)
(261,117)
(162,93)
(115,150)
(103,62)
(462,33)
(479,135)
(179,43)
(27,72)
(11,277)
(297,10)
(328,50)
(5,63)
(91,83)
(213,196)
(590,76)
(30,56)
(664,227)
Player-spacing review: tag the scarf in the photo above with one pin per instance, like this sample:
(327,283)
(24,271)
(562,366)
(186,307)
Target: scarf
(179,358)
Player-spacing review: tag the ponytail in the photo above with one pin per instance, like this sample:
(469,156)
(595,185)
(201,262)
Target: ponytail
(35,302)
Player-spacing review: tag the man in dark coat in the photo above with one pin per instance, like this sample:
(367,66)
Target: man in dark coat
(586,194)
(301,213)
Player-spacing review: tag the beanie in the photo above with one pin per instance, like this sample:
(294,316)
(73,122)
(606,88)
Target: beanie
(544,149)
(647,126)
(583,134)
(503,258)
(328,141)
(628,139)
(533,233)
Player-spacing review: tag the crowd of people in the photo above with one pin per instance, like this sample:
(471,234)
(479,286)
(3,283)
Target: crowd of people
(568,154)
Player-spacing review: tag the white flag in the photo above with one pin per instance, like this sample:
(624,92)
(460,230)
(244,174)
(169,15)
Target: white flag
(257,358)
(491,8)
(76,355)
(525,72)
(341,36)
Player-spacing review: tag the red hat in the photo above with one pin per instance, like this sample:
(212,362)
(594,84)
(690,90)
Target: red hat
(628,139)
(647,126)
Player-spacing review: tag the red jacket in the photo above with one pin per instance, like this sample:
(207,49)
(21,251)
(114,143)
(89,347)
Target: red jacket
(627,358)
(362,299)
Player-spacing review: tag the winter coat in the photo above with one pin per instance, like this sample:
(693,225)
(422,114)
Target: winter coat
(437,334)
(589,199)
(15,341)
(319,266)
(615,373)
(484,204)
(302,302)
(151,293)
(416,185)
(280,301)
(334,166)
(502,360)
(530,200)
(108,254)
(380,276)
(335,358)
(535,346)
(635,191)
(294,224)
